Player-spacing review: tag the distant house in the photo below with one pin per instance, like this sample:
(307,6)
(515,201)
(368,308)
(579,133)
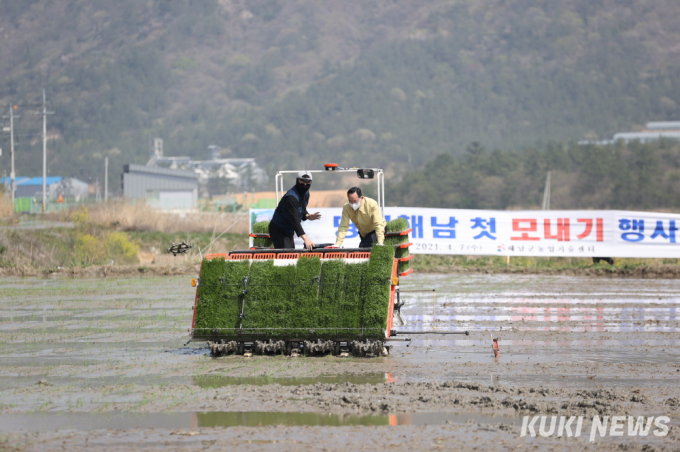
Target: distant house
(69,187)
(653,131)
(163,188)
(216,176)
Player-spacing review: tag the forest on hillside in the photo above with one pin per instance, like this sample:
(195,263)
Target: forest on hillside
(297,83)
(633,176)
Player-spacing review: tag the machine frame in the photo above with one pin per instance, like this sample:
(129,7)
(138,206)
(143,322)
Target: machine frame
(379,175)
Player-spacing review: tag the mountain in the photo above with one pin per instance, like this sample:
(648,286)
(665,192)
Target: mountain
(299,82)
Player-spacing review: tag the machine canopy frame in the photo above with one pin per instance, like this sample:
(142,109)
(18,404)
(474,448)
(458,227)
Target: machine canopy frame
(378,174)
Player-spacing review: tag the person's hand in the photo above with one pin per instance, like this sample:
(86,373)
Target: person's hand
(314,216)
(308,243)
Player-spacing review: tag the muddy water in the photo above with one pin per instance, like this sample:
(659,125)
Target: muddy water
(93,356)
(42,422)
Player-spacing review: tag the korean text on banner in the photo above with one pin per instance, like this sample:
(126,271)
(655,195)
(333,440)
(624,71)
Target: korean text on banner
(575,233)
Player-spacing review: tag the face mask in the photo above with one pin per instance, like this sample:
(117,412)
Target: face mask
(302,188)
(356,205)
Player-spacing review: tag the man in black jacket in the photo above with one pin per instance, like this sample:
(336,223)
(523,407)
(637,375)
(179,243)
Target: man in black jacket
(289,214)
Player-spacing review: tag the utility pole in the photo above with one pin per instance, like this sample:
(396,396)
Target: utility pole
(11,151)
(106,178)
(10,129)
(546,193)
(44,114)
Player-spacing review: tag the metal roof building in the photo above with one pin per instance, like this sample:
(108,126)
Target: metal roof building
(163,188)
(655,130)
(26,187)
(663,125)
(644,137)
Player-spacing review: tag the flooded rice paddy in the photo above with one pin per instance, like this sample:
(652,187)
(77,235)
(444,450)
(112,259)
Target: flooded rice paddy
(106,362)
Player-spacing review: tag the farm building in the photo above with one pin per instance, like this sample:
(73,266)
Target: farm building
(162,188)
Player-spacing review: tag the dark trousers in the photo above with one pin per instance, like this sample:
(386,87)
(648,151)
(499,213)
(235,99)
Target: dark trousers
(368,241)
(281,238)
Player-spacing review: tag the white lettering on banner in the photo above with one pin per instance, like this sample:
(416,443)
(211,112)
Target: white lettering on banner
(581,233)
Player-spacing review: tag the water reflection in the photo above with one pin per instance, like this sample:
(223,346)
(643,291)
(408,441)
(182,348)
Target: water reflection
(41,422)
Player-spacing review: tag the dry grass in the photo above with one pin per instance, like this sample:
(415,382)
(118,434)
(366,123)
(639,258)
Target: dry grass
(118,232)
(140,217)
(25,249)
(6,210)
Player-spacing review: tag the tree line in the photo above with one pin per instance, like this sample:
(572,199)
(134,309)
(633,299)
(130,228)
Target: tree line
(626,176)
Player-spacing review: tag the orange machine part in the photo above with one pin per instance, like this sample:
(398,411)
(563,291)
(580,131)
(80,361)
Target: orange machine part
(193,320)
(240,256)
(264,256)
(288,255)
(217,256)
(335,255)
(310,255)
(393,291)
(405,232)
(359,255)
